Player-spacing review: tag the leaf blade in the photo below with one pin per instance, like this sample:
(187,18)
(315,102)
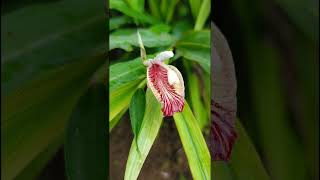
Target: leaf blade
(149,130)
(195,46)
(193,143)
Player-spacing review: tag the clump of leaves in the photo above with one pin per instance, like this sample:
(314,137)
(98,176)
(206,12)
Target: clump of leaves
(137,62)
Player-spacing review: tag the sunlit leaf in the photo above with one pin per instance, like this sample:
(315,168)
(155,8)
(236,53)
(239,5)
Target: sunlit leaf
(149,129)
(194,144)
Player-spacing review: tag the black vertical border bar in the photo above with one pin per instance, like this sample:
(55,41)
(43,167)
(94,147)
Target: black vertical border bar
(107,15)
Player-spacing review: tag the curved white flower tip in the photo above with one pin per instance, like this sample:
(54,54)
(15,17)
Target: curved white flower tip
(164,56)
(166,83)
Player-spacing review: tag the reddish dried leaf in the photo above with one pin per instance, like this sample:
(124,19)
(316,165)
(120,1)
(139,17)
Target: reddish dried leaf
(224,101)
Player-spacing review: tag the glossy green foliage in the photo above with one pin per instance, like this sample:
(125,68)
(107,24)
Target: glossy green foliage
(137,108)
(195,46)
(141,146)
(194,144)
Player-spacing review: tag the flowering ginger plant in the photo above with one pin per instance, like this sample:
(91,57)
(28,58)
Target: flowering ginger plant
(165,81)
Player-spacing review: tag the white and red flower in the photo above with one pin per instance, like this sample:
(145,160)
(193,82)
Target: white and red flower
(166,83)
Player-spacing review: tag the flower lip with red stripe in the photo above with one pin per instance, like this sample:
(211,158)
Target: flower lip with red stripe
(166,83)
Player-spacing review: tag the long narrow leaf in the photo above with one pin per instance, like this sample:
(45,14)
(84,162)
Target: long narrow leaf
(137,5)
(149,129)
(121,6)
(126,38)
(194,144)
(200,112)
(203,14)
(195,7)
(154,8)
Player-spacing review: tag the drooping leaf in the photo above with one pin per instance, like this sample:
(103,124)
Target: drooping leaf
(85,146)
(194,144)
(121,6)
(126,38)
(136,109)
(195,46)
(149,129)
(203,14)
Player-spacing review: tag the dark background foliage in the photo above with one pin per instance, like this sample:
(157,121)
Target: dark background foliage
(275,49)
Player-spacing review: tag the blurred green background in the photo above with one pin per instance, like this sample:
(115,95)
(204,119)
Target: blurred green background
(275,49)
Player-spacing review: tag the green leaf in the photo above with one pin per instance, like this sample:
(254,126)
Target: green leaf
(244,166)
(125,79)
(121,6)
(113,122)
(137,107)
(120,98)
(116,22)
(137,5)
(149,129)
(154,8)
(126,38)
(86,148)
(195,46)
(193,143)
(194,91)
(125,72)
(203,14)
(170,10)
(195,7)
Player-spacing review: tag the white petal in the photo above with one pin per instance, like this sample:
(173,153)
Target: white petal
(164,55)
